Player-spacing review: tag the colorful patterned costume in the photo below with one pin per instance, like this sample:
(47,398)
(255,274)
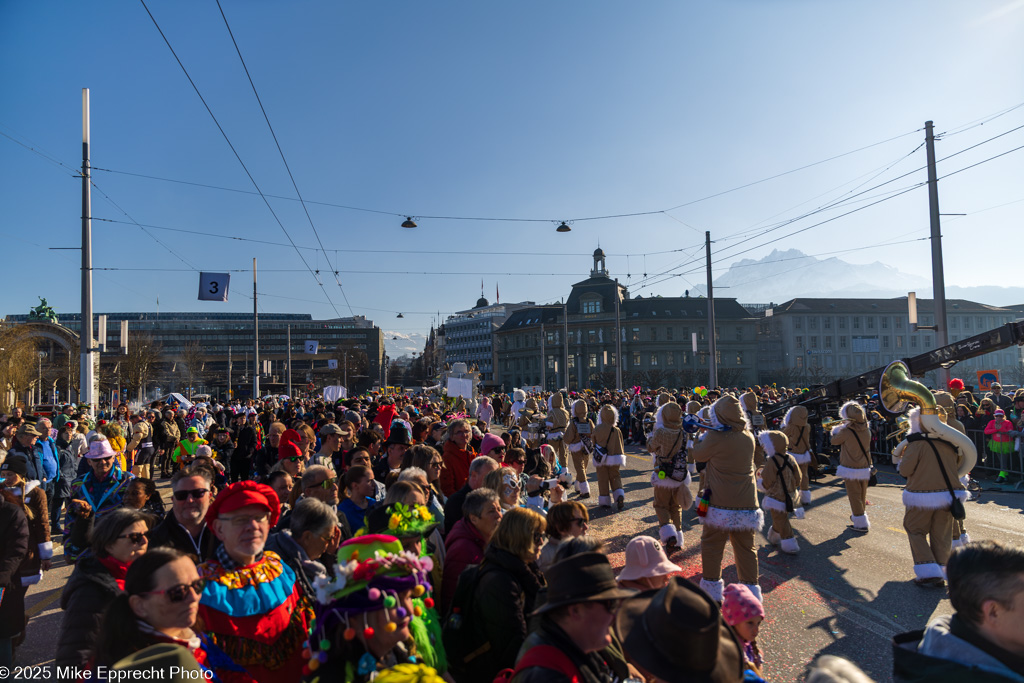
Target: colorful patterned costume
(102,497)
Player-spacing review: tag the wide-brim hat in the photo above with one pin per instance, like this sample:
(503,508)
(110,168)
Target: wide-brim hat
(28,429)
(585,577)
(646,558)
(677,633)
(99,449)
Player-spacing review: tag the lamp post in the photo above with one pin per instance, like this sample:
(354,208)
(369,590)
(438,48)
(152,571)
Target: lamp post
(39,389)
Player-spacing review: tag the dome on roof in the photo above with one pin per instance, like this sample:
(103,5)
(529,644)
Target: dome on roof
(481,302)
(598,253)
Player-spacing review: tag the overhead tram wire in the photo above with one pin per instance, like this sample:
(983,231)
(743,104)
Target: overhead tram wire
(239,158)
(281,152)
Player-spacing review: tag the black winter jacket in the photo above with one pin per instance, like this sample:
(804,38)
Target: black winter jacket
(169,534)
(14,541)
(86,596)
(505,595)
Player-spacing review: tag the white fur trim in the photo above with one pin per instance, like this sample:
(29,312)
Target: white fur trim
(766,443)
(658,423)
(836,429)
(604,501)
(915,420)
(957,542)
(770,503)
(519,395)
(715,422)
(965,480)
(790,545)
(801,458)
(805,497)
(930,500)
(30,486)
(618,492)
(760,485)
(575,447)
(860,521)
(554,436)
(679,539)
(615,419)
(32,579)
(666,532)
(550,398)
(46,550)
(773,536)
(613,461)
(842,411)
(858,473)
(668,482)
(713,588)
(928,570)
(735,520)
(584,487)
(799,512)
(756,590)
(691,468)
(785,420)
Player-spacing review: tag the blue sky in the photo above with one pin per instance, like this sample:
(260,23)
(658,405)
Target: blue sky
(548,110)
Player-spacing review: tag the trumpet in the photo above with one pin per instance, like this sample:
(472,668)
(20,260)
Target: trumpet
(902,427)
(827,425)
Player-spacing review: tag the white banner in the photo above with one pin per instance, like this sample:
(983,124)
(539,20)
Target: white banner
(312,346)
(213,286)
(333,393)
(460,387)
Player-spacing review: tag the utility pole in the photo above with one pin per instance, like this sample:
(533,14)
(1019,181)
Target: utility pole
(543,358)
(345,357)
(618,340)
(255,339)
(230,393)
(938,278)
(565,330)
(289,342)
(712,346)
(86,371)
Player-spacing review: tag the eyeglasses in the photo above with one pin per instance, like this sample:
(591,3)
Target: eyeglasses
(539,539)
(437,463)
(518,461)
(135,537)
(328,483)
(180,592)
(191,493)
(611,605)
(296,458)
(243,521)
(580,521)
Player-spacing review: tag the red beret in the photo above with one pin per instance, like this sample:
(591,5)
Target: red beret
(241,494)
(287,449)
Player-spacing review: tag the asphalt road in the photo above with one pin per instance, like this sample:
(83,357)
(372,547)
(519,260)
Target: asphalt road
(845,593)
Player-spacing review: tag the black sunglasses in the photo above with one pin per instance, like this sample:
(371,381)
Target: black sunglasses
(180,592)
(135,537)
(192,493)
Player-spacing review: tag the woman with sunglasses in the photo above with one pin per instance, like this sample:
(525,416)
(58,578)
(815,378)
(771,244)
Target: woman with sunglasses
(159,605)
(565,521)
(431,462)
(118,539)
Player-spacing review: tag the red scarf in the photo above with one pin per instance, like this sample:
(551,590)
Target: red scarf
(117,569)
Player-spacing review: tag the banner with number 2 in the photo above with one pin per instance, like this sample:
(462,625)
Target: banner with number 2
(213,286)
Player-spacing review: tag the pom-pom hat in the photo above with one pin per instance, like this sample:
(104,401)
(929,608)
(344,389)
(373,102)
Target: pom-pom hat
(739,604)
(242,494)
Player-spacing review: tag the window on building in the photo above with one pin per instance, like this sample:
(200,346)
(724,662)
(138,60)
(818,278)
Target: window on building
(913,342)
(636,359)
(551,362)
(636,334)
(654,334)
(980,322)
(572,361)
(799,342)
(842,323)
(842,342)
(670,359)
(967,323)
(899,341)
(654,360)
(701,334)
(826,322)
(812,323)
(592,360)
(954,322)
(611,358)
(519,341)
(739,358)
(885,323)
(871,322)
(798,323)
(799,362)
(739,333)
(591,306)
(668,333)
(591,336)
(885,342)
(899,323)
(828,342)
(928,342)
(702,359)
(856,322)
(814,342)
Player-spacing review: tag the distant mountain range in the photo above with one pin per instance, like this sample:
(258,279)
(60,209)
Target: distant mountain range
(784,275)
(398,344)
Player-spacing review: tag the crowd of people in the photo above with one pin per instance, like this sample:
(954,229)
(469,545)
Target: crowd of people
(404,538)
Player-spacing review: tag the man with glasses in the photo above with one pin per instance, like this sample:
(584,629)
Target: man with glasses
(262,635)
(185,528)
(323,484)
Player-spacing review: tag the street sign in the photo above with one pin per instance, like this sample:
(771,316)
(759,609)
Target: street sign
(312,346)
(213,286)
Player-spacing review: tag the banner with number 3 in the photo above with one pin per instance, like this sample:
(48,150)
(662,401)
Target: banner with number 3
(213,286)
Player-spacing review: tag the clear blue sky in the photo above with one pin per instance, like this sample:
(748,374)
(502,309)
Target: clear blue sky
(519,109)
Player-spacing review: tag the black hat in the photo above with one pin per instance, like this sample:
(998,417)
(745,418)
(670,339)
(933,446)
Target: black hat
(692,641)
(581,578)
(16,464)
(399,435)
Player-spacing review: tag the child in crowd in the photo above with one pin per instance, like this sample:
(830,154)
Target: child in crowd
(744,613)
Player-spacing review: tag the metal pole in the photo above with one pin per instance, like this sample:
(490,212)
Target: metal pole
(345,356)
(565,331)
(938,278)
(543,359)
(86,373)
(713,361)
(255,339)
(618,340)
(230,393)
(289,342)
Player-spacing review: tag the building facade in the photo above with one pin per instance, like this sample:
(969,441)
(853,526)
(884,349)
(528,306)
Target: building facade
(469,335)
(574,344)
(811,341)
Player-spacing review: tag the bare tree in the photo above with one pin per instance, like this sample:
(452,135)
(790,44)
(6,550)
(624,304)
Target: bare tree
(137,368)
(352,362)
(17,366)
(191,363)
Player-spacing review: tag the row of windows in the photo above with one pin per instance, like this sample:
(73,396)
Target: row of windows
(600,334)
(869,322)
(596,361)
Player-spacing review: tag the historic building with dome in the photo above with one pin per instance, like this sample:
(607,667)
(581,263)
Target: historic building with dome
(469,335)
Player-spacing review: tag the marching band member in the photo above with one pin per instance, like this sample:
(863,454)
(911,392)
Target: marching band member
(780,480)
(609,456)
(692,408)
(728,497)
(854,439)
(557,421)
(796,429)
(578,439)
(947,413)
(670,479)
(757,424)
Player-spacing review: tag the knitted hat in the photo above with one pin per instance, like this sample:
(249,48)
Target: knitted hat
(773,442)
(490,442)
(739,604)
(15,464)
(204,450)
(241,494)
(646,558)
(288,449)
(854,412)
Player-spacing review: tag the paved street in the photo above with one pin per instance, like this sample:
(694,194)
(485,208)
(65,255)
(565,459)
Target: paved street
(845,594)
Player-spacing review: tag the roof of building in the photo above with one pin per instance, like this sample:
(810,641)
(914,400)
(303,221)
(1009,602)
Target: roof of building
(528,317)
(868,306)
(481,302)
(602,285)
(679,307)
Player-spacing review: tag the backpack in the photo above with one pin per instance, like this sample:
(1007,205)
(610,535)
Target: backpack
(462,641)
(544,656)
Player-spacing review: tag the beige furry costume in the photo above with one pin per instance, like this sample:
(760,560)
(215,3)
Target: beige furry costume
(948,405)
(530,423)
(757,424)
(854,440)
(667,445)
(557,421)
(692,408)
(579,440)
(733,514)
(780,479)
(796,429)
(608,438)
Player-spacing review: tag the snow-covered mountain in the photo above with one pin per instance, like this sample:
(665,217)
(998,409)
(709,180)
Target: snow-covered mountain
(398,344)
(784,275)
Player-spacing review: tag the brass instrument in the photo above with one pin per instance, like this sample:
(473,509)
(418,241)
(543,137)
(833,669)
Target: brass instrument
(827,425)
(902,427)
(897,391)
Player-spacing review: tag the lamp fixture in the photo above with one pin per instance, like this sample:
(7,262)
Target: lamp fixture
(563,227)
(399,316)
(408,222)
